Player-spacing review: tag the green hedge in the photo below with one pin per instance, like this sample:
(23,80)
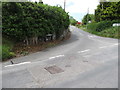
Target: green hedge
(100,26)
(6,52)
(113,32)
(23,20)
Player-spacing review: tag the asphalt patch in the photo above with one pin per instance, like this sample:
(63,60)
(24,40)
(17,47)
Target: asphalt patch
(54,69)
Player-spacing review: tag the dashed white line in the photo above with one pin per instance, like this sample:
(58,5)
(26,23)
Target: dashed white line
(115,44)
(84,51)
(103,47)
(51,57)
(18,64)
(60,55)
(109,45)
(56,56)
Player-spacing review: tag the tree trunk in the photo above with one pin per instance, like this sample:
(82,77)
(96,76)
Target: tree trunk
(27,41)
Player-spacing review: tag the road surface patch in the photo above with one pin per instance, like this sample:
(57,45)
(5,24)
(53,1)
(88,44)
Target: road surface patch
(54,69)
(67,65)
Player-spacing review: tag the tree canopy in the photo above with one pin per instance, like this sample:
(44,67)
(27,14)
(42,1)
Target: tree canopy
(87,18)
(107,11)
(72,20)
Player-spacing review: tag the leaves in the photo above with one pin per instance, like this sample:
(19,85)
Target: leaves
(27,19)
(107,11)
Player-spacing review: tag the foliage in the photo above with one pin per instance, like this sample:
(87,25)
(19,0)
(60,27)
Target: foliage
(88,17)
(7,49)
(100,26)
(92,26)
(27,21)
(72,21)
(113,32)
(105,30)
(107,11)
(6,52)
(103,25)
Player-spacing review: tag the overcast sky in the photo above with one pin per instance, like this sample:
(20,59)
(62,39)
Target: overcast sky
(76,8)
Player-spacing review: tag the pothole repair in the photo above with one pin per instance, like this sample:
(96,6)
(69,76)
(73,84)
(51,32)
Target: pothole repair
(54,69)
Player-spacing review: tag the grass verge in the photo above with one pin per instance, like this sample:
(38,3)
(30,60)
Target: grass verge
(111,32)
(10,49)
(6,47)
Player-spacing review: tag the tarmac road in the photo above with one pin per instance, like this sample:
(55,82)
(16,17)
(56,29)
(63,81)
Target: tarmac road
(83,61)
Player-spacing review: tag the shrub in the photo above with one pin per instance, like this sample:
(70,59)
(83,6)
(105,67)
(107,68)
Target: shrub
(92,26)
(100,26)
(6,54)
(113,32)
(103,25)
(28,20)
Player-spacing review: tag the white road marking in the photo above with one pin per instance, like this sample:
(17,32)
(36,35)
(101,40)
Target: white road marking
(56,56)
(51,57)
(84,51)
(109,45)
(103,47)
(115,44)
(60,55)
(18,64)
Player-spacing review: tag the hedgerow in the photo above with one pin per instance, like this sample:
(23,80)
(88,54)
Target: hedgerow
(27,21)
(100,26)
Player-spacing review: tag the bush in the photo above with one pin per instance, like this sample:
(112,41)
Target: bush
(92,26)
(100,26)
(113,32)
(103,25)
(6,54)
(28,20)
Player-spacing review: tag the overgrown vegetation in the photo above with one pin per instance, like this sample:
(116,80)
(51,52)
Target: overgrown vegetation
(27,21)
(106,14)
(7,49)
(73,21)
(103,28)
(101,25)
(113,32)
(31,23)
(87,18)
(107,11)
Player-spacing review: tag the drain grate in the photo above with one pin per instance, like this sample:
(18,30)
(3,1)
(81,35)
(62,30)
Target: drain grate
(54,69)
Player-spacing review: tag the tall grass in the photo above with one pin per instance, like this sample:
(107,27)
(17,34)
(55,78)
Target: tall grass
(113,32)
(104,29)
(6,48)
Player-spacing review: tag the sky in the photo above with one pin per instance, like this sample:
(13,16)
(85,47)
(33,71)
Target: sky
(75,8)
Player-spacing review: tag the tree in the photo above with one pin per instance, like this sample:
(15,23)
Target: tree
(87,18)
(107,11)
(73,21)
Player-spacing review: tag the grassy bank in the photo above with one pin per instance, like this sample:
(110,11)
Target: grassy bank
(104,29)
(7,47)
(11,49)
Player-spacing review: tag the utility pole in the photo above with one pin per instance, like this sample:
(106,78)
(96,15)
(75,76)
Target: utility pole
(87,17)
(64,4)
(40,1)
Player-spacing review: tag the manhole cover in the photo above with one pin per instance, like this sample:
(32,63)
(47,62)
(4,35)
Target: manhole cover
(67,65)
(85,61)
(54,69)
